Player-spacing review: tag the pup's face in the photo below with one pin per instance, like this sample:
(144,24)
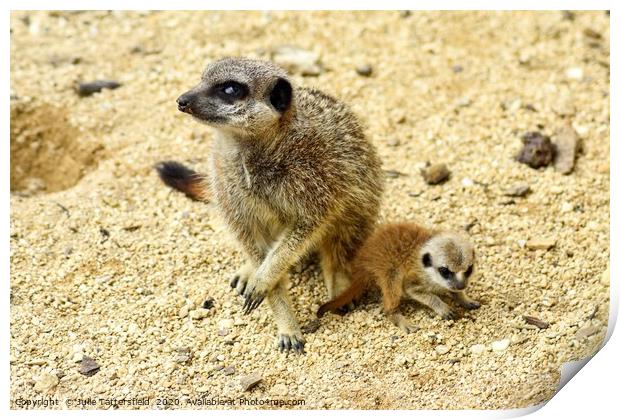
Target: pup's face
(448,260)
(240,94)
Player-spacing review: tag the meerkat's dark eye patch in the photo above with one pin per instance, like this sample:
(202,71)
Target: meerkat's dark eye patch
(469,271)
(230,91)
(281,95)
(445,272)
(427,260)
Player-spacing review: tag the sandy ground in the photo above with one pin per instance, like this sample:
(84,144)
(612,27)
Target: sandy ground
(108,263)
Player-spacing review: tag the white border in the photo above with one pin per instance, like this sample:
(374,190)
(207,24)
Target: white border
(593,393)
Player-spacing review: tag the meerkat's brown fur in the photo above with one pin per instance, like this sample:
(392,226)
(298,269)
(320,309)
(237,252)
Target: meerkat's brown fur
(291,171)
(398,258)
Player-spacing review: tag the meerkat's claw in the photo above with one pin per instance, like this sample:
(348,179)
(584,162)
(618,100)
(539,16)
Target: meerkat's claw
(471,305)
(234,281)
(288,343)
(252,301)
(449,315)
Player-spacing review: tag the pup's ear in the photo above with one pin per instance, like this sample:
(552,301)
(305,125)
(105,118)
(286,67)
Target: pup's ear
(427,260)
(281,95)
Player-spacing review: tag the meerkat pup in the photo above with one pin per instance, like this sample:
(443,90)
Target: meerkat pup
(408,260)
(291,171)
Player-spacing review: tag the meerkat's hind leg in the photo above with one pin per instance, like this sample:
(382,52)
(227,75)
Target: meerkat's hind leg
(465,301)
(289,333)
(333,265)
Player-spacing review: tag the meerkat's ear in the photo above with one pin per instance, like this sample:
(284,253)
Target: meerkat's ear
(427,260)
(281,95)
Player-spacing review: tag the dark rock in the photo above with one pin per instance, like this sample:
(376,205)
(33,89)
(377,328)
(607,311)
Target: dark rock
(88,367)
(208,303)
(591,33)
(537,151)
(89,88)
(457,68)
(532,320)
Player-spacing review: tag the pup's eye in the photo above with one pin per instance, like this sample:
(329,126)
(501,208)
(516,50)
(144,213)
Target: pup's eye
(469,271)
(445,272)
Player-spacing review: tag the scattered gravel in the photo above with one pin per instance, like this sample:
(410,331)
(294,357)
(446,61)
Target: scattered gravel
(94,157)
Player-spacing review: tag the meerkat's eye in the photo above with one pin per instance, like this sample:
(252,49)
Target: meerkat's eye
(469,271)
(231,91)
(445,272)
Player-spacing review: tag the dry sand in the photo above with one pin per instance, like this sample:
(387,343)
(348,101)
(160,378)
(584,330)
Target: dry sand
(108,263)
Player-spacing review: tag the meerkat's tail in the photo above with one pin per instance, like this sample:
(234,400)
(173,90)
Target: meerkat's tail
(354,292)
(184,179)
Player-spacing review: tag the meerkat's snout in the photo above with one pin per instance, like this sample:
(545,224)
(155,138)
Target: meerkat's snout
(184,102)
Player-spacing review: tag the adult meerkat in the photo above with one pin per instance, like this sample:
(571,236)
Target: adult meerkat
(291,171)
(408,260)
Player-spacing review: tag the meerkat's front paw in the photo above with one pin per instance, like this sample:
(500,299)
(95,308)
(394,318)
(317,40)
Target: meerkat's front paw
(241,277)
(465,301)
(294,342)
(407,327)
(254,294)
(447,313)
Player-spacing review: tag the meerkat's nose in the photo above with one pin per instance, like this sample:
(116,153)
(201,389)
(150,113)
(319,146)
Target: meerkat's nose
(184,102)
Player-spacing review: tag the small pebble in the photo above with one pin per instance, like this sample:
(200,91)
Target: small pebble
(364,70)
(520,189)
(279,390)
(442,349)
(88,367)
(182,355)
(586,332)
(566,147)
(537,150)
(435,174)
(199,313)
(540,243)
(532,320)
(248,382)
(46,382)
(575,73)
(478,348)
(501,345)
(90,88)
(297,60)
(229,370)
